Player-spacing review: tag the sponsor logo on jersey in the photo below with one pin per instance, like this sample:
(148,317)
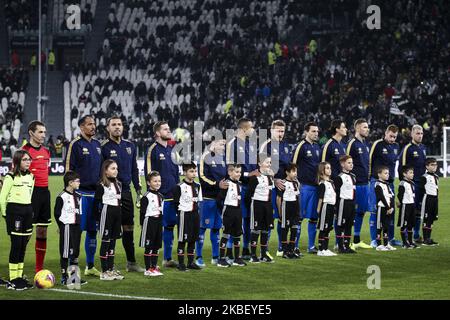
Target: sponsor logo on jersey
(85,151)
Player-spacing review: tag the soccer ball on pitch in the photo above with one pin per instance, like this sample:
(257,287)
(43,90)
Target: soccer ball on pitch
(44,279)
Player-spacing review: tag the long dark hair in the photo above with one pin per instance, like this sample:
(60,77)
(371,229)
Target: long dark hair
(17,159)
(103,178)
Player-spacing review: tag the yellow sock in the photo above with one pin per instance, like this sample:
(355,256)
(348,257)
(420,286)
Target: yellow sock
(20,270)
(13,273)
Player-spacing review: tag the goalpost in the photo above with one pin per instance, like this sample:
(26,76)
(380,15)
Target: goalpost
(446,149)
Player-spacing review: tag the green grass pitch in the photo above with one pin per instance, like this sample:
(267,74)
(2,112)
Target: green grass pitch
(405,274)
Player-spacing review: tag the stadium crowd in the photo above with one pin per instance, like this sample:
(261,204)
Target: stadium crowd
(215,61)
(22,15)
(13,84)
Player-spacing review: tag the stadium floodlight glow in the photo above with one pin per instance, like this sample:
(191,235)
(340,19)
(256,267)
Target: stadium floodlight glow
(445,150)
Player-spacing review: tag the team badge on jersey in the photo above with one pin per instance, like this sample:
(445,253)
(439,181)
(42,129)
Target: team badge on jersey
(286,149)
(395,151)
(99,150)
(317,153)
(129,150)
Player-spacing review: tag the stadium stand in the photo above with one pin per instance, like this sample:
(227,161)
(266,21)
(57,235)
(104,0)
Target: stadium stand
(88,8)
(13,85)
(22,15)
(186,60)
(218,60)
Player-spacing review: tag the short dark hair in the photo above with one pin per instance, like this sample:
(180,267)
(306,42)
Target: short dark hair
(429,161)
(188,166)
(405,169)
(241,122)
(308,126)
(152,174)
(344,158)
(290,167)
(32,126)
(83,119)
(381,169)
(158,126)
(359,121)
(115,117)
(232,166)
(392,128)
(335,124)
(278,123)
(70,176)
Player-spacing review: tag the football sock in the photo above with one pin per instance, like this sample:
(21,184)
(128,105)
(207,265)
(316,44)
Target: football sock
(254,243)
(180,251)
(311,233)
(237,246)
(359,219)
(128,245)
(214,235)
(168,242)
(104,247)
(90,246)
(199,243)
(373,226)
(190,252)
(264,238)
(40,249)
(279,235)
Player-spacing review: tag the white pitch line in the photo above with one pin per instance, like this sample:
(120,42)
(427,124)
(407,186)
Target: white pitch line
(106,294)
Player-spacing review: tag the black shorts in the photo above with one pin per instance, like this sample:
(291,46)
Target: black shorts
(127,209)
(345,212)
(383,219)
(261,215)
(232,221)
(407,215)
(188,226)
(429,209)
(19,219)
(290,214)
(151,234)
(69,240)
(40,200)
(111,223)
(326,217)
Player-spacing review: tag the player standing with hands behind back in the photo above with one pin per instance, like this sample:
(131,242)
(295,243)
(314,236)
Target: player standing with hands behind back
(124,153)
(85,158)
